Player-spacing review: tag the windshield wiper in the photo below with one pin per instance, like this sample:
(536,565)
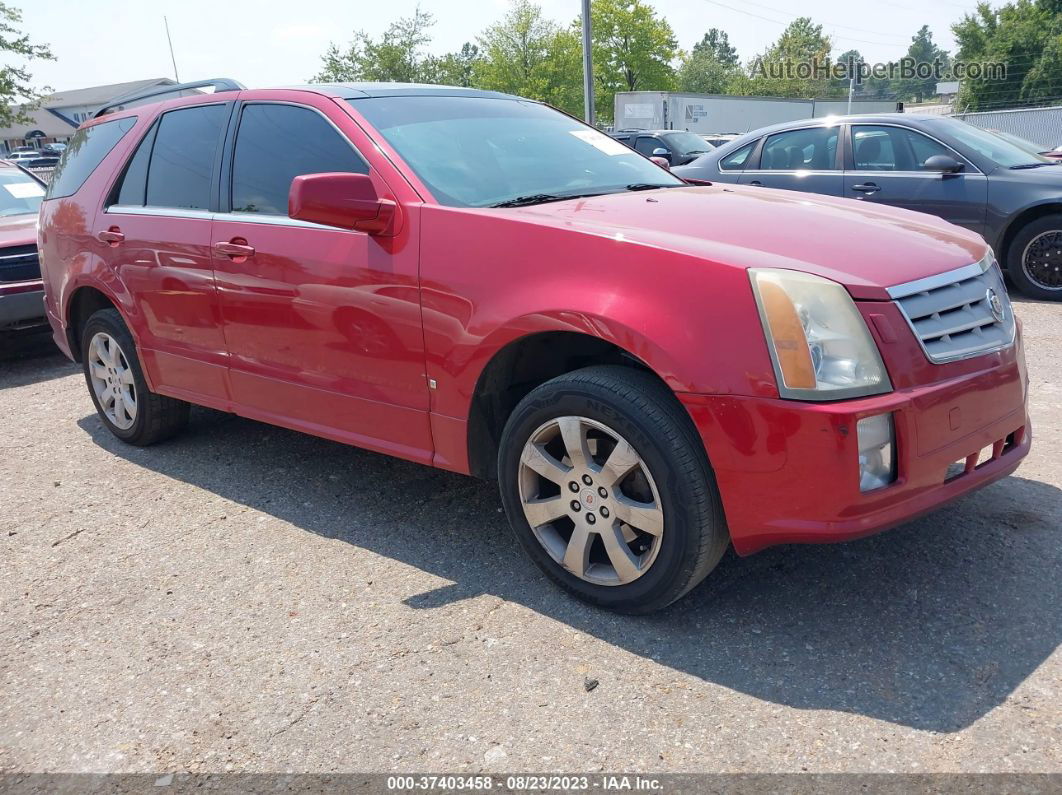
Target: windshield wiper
(652,186)
(1032,165)
(541,198)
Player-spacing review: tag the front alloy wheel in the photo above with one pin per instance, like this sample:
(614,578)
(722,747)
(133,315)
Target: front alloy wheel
(1042,260)
(608,489)
(590,500)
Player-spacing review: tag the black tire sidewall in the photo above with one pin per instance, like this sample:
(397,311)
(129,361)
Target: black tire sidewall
(110,322)
(1016,252)
(674,566)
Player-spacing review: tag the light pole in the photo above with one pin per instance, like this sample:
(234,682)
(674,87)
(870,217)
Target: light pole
(588,67)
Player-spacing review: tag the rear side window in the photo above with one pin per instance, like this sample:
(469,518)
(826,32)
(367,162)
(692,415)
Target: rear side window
(648,145)
(738,160)
(275,144)
(182,157)
(84,153)
(813,149)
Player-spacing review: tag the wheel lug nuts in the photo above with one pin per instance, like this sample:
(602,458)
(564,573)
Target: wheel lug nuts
(573,486)
(602,492)
(587,480)
(576,506)
(604,512)
(590,518)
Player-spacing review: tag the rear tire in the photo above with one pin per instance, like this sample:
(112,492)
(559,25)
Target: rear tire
(116,383)
(1034,259)
(638,540)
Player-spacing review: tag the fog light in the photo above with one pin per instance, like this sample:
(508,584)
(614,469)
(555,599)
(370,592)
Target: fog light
(877,452)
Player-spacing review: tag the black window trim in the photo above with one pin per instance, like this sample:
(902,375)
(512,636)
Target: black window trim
(849,153)
(157,210)
(224,203)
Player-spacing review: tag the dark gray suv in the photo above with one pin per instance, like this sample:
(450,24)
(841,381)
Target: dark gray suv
(971,177)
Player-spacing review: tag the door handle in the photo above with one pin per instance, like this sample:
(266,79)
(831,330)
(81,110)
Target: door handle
(866,187)
(236,248)
(757,183)
(112,237)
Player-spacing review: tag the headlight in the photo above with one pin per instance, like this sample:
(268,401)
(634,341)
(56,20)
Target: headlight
(820,346)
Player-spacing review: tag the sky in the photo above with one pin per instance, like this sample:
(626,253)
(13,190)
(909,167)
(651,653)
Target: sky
(266,43)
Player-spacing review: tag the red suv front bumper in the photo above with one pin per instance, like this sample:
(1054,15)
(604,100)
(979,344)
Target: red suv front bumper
(788,471)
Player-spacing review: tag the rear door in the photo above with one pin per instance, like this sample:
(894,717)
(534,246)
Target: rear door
(884,165)
(158,218)
(806,159)
(322,325)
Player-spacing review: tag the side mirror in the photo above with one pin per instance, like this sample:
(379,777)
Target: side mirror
(348,201)
(662,152)
(663,162)
(945,164)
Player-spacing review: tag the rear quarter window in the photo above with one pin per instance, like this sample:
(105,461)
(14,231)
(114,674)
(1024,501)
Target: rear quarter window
(84,153)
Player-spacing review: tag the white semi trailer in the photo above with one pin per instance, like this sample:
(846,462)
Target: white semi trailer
(720,114)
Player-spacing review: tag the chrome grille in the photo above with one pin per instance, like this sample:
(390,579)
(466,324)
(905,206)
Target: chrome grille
(19,264)
(952,315)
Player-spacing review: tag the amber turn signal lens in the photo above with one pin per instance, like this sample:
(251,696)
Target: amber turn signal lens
(787,334)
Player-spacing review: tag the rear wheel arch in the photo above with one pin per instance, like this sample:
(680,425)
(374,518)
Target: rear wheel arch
(84,301)
(519,367)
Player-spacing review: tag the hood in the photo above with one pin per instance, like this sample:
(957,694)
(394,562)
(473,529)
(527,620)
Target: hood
(18,230)
(865,247)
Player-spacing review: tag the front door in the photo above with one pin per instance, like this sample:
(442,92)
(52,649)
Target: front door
(322,325)
(885,166)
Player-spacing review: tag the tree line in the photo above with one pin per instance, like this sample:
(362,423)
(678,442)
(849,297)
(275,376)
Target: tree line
(635,49)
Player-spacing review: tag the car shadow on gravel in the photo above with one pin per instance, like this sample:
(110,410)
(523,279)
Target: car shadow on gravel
(931,625)
(30,357)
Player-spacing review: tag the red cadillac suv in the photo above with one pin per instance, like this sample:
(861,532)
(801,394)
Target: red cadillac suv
(651,370)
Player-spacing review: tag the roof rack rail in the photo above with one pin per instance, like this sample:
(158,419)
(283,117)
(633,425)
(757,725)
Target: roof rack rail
(219,84)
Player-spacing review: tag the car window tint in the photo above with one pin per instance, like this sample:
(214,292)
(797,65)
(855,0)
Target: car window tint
(134,180)
(647,145)
(275,144)
(182,159)
(84,153)
(738,160)
(924,148)
(813,149)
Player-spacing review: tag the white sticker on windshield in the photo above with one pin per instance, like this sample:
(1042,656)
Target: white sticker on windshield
(24,190)
(610,146)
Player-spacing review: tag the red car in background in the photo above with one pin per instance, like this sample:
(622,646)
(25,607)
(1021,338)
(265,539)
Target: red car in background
(21,290)
(651,370)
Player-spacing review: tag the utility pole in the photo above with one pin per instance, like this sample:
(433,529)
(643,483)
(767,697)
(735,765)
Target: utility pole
(851,90)
(588,67)
(166,22)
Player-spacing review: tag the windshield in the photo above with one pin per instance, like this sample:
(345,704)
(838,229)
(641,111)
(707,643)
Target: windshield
(687,143)
(477,152)
(996,148)
(19,194)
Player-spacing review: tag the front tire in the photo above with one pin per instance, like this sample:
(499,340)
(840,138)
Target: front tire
(117,386)
(608,489)
(1034,259)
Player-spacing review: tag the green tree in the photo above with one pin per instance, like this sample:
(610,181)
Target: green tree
(1026,36)
(398,55)
(710,67)
(717,44)
(528,55)
(633,49)
(16,81)
(923,50)
(788,67)
(453,69)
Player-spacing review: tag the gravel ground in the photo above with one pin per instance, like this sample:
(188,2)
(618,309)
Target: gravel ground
(249,598)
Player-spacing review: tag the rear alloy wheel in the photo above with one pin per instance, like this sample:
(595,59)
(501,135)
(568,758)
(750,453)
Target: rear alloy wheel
(608,489)
(130,410)
(1035,259)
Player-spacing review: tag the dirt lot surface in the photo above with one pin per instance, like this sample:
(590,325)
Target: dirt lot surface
(248,598)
